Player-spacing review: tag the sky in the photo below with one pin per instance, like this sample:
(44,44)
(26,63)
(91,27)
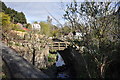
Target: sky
(38,11)
(57,0)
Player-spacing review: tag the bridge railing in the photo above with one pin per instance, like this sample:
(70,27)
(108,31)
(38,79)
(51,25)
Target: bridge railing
(58,45)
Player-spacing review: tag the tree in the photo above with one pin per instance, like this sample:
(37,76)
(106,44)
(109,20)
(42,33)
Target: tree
(35,22)
(94,20)
(29,26)
(16,17)
(5,22)
(3,6)
(65,30)
(6,26)
(37,43)
(45,28)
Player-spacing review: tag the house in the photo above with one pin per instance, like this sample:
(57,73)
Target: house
(20,25)
(76,35)
(36,26)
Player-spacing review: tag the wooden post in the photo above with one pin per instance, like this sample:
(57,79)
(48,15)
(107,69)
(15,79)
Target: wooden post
(58,45)
(65,45)
(52,46)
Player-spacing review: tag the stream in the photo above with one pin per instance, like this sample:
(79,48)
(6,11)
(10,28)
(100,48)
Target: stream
(62,69)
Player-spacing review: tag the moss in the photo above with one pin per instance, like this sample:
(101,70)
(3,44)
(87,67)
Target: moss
(52,58)
(10,43)
(17,44)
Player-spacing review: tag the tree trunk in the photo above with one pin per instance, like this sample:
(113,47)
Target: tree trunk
(33,58)
(102,70)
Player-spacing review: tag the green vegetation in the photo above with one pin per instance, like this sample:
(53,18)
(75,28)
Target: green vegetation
(16,17)
(18,28)
(17,44)
(28,26)
(66,30)
(49,29)
(45,28)
(5,22)
(52,58)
